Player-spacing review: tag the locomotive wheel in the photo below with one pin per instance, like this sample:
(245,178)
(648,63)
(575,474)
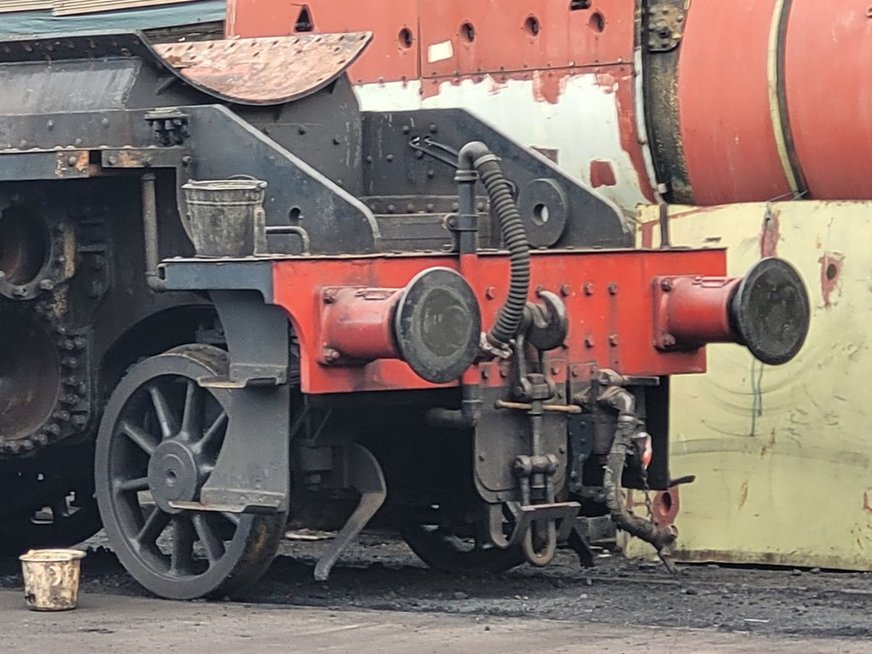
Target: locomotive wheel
(158,442)
(66,520)
(450,553)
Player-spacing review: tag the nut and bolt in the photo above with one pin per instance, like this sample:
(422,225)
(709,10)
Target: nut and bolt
(330,355)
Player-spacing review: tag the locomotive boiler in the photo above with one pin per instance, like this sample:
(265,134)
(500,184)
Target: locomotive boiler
(263,308)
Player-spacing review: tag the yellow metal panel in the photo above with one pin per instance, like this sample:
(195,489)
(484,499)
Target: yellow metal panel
(782,454)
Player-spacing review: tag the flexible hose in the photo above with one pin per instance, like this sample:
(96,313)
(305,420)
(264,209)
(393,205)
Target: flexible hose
(659,536)
(477,155)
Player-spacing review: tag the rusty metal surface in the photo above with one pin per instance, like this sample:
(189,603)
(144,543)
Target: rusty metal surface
(263,71)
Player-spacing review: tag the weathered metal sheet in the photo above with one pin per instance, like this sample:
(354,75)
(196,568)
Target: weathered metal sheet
(827,90)
(265,70)
(394,55)
(724,104)
(556,76)
(781,454)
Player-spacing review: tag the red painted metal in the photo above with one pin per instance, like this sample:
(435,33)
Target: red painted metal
(489,36)
(723,96)
(394,53)
(731,84)
(828,50)
(693,310)
(455,41)
(609,298)
(356,323)
(264,70)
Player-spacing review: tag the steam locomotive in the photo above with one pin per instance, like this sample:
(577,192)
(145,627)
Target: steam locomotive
(257,306)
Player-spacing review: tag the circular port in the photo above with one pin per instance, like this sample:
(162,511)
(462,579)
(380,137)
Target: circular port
(597,22)
(25,245)
(406,38)
(467,31)
(30,376)
(531,25)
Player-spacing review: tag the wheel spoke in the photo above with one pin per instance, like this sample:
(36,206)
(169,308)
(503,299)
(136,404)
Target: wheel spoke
(138,484)
(232,518)
(211,542)
(192,414)
(139,436)
(153,527)
(169,425)
(182,552)
(215,429)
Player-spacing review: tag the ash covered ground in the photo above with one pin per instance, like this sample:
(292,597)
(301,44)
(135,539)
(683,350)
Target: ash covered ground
(381,573)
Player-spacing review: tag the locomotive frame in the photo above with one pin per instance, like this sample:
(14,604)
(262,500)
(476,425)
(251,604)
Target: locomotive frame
(361,332)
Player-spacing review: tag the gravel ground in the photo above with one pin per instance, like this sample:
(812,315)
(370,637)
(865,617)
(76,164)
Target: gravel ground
(380,573)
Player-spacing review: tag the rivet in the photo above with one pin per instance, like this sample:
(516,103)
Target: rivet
(613,289)
(589,341)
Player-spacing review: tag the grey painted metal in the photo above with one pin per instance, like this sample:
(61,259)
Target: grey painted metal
(42,22)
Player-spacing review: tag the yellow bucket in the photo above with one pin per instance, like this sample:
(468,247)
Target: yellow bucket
(51,579)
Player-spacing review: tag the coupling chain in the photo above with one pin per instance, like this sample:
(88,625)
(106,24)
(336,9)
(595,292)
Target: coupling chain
(662,552)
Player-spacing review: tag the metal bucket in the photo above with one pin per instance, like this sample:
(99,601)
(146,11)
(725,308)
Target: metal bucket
(222,215)
(51,579)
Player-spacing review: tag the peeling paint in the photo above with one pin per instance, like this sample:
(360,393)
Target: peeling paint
(743,494)
(602,173)
(831,273)
(771,233)
(587,124)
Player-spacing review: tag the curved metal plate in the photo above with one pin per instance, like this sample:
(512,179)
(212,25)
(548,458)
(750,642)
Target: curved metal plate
(264,71)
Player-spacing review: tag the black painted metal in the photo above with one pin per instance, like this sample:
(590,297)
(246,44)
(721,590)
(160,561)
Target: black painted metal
(437,325)
(771,312)
(98,136)
(392,166)
(163,433)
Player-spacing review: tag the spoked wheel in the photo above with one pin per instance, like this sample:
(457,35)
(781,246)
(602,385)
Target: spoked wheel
(158,443)
(67,519)
(448,552)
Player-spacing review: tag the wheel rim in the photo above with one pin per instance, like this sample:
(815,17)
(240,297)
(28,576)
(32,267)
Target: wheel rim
(158,442)
(446,551)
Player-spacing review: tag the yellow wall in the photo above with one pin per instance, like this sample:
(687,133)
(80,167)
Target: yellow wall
(782,454)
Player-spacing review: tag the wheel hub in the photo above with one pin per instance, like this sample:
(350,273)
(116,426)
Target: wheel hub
(174,475)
